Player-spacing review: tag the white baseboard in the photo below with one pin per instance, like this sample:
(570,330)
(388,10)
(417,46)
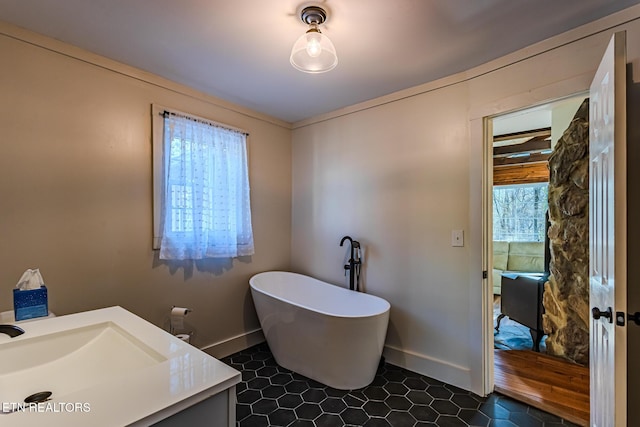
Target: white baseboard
(434,368)
(234,344)
(441,370)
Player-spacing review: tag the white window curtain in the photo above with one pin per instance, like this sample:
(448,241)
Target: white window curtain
(206,211)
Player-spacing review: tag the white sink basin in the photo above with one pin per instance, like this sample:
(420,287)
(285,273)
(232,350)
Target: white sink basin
(71,360)
(105,367)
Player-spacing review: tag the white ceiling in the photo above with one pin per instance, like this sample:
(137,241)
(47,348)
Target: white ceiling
(238,50)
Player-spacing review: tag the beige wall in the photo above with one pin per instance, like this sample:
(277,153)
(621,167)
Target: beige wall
(390,178)
(76,191)
(401,172)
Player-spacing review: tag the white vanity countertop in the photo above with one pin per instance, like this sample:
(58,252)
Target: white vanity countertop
(177,375)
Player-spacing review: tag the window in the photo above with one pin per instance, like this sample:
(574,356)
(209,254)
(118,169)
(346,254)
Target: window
(519,212)
(201,188)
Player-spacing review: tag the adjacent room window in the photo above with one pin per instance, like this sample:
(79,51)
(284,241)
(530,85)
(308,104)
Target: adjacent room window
(201,207)
(519,212)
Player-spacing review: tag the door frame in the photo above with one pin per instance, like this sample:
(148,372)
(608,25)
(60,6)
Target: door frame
(480,125)
(488,208)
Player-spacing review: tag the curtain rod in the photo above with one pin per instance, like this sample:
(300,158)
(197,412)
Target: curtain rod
(167,113)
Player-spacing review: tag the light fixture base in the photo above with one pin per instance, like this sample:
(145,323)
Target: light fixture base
(313,15)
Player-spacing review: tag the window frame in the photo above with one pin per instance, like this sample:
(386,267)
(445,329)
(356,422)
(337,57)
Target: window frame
(519,185)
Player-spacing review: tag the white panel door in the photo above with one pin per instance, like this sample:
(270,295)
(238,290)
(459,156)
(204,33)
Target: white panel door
(608,237)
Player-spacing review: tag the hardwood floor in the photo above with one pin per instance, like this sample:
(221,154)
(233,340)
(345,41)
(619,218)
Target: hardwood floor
(544,382)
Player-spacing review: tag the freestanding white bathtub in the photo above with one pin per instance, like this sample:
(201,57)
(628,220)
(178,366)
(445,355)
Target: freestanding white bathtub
(324,332)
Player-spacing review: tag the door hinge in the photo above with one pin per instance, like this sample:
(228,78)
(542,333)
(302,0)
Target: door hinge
(485,274)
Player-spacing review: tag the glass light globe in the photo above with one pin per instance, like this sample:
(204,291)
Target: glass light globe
(313,52)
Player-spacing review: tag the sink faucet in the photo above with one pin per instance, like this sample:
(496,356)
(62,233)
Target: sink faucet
(11,330)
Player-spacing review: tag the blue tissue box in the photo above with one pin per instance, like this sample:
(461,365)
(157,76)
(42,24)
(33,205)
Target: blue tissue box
(30,303)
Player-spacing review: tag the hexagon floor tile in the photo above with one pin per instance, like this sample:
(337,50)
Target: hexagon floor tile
(270,395)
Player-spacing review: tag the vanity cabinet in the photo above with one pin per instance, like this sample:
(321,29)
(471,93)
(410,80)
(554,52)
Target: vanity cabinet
(217,410)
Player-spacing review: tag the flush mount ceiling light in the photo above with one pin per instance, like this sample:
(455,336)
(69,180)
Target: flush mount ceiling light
(313,52)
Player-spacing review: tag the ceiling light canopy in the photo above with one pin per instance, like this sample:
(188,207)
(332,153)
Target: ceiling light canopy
(313,52)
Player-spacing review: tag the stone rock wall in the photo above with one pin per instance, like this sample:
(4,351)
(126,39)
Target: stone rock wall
(566,294)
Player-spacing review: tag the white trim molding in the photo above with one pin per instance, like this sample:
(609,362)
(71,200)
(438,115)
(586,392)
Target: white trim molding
(234,344)
(441,370)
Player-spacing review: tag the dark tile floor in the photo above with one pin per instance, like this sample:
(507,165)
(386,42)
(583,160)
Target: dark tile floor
(270,395)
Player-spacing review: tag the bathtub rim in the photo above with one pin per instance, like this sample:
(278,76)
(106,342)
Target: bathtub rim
(337,289)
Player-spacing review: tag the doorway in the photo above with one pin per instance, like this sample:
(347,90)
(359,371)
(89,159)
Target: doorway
(522,144)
